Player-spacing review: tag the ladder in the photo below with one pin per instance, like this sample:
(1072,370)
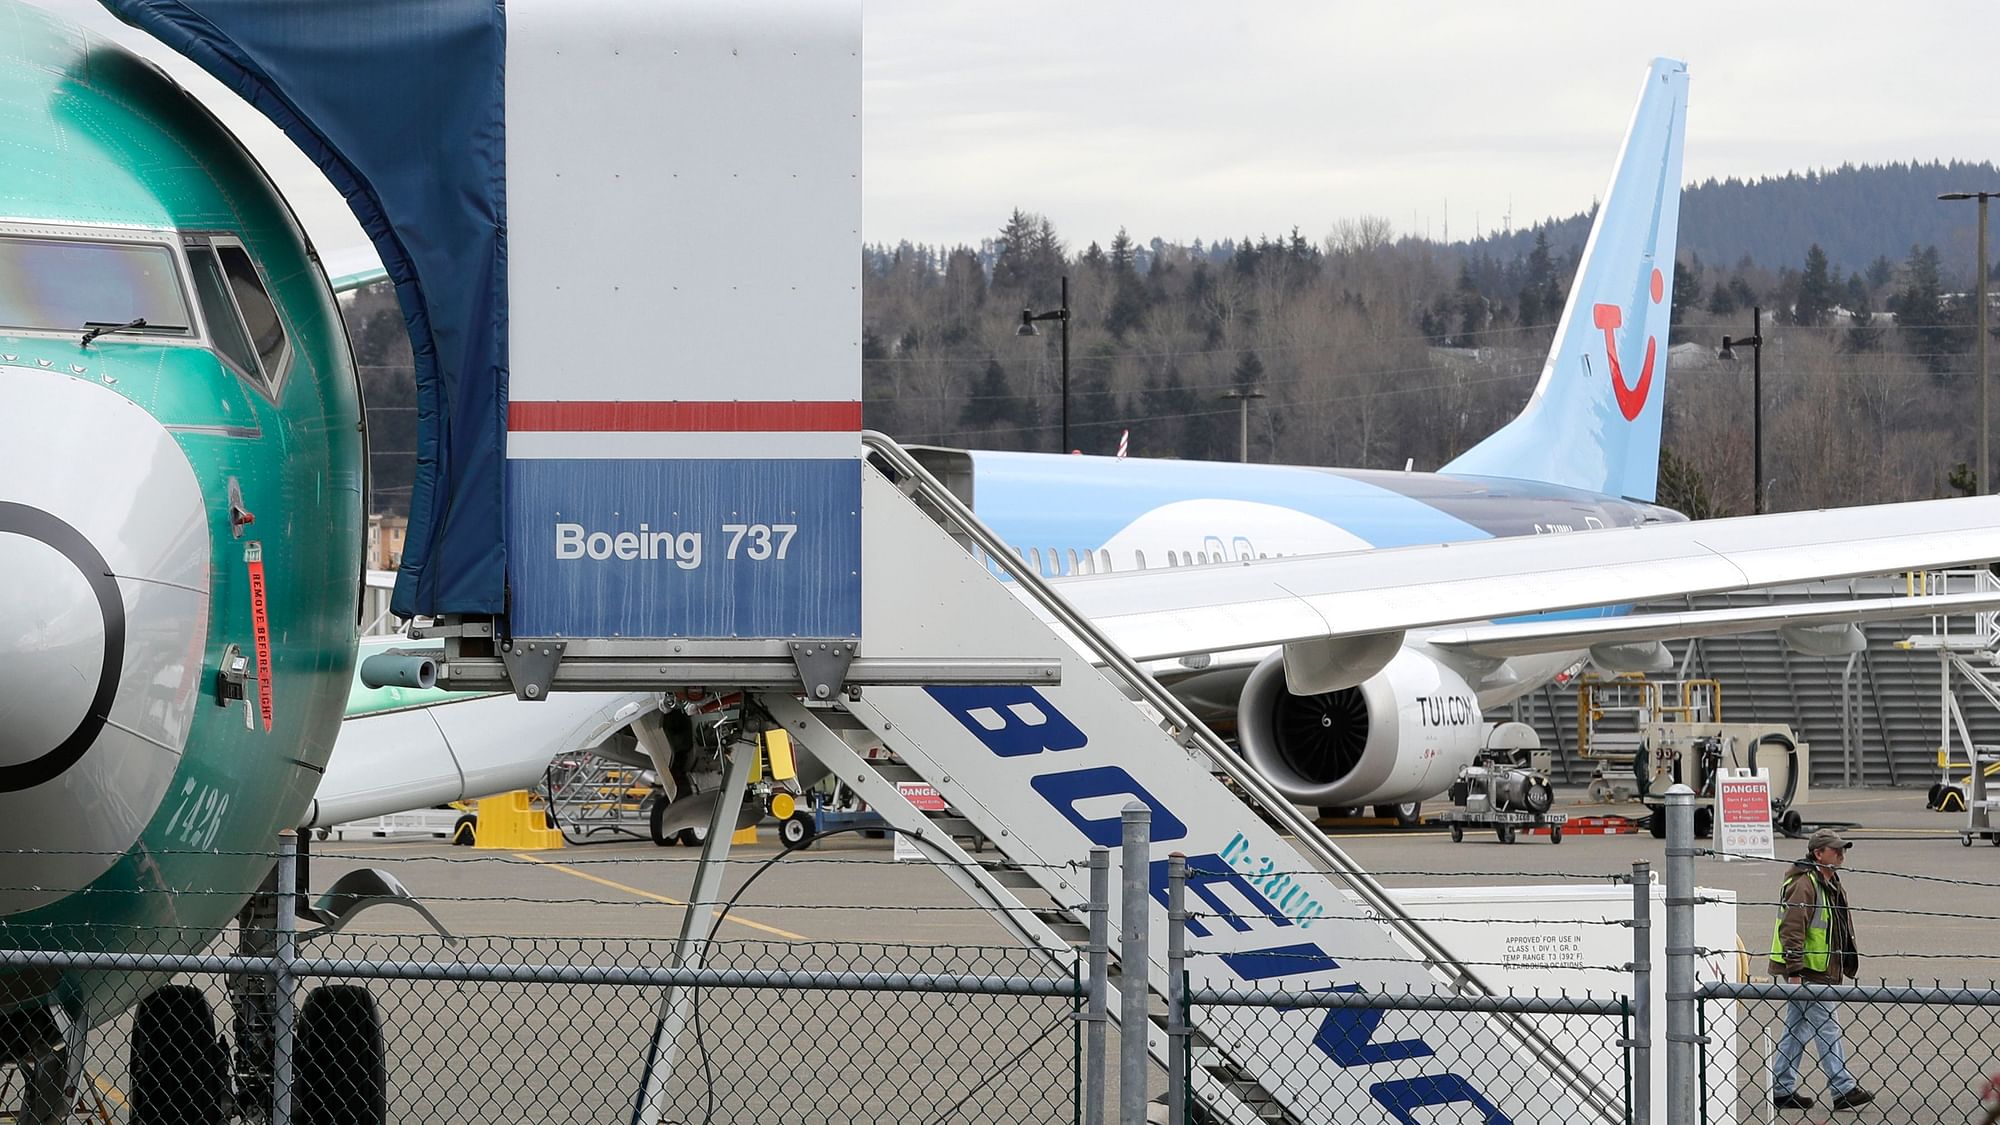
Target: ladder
(1042,771)
(1973,654)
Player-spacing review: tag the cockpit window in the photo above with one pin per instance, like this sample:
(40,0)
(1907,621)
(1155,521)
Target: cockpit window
(267,332)
(231,339)
(69,285)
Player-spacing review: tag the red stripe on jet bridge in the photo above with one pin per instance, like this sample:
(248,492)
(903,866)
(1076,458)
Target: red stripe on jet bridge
(683,417)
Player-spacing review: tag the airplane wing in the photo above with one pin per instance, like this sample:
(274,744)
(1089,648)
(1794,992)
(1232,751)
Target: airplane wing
(402,749)
(1174,612)
(1525,638)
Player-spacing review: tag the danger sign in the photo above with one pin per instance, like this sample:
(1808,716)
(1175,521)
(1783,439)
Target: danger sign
(1743,815)
(922,795)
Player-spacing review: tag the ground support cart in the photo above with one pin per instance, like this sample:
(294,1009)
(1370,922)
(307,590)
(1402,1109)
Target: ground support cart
(1505,825)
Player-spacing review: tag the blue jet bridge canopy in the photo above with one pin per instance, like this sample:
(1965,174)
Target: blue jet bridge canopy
(401,104)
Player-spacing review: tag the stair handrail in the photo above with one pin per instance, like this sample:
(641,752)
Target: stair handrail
(1196,736)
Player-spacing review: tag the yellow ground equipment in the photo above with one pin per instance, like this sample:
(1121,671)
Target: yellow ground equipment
(1647,735)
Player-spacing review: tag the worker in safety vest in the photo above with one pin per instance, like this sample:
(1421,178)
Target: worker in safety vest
(1813,944)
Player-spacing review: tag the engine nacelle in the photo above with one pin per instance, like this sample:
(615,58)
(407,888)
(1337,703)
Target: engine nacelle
(1402,735)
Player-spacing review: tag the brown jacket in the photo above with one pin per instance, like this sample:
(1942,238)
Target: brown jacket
(1801,891)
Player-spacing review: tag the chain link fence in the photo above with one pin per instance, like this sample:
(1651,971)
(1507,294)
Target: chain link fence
(1920,1054)
(420,1029)
(1513,1037)
(1606,1013)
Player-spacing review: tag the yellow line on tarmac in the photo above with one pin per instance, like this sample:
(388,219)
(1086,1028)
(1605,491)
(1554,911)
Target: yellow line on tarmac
(670,901)
(108,1090)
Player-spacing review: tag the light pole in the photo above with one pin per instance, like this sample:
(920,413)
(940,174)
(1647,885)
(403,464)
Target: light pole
(1985,385)
(1061,315)
(1755,341)
(1243,397)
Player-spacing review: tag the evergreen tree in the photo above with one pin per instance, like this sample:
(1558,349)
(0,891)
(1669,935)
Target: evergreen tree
(994,408)
(1920,311)
(1538,282)
(1687,291)
(1722,301)
(1682,488)
(1816,294)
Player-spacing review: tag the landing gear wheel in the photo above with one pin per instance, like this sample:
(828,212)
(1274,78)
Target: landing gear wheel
(1704,821)
(180,1067)
(343,1077)
(795,831)
(465,831)
(1409,814)
(1505,832)
(1656,823)
(1339,812)
(1555,834)
(655,819)
(693,837)
(1457,833)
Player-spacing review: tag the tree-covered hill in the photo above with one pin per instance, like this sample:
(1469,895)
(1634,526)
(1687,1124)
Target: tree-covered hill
(1856,214)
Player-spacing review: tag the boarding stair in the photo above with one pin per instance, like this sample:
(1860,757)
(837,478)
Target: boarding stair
(1030,781)
(981,682)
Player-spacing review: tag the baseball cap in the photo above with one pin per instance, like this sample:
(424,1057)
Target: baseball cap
(1827,838)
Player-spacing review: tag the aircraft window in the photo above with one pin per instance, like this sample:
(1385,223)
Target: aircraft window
(48,284)
(1055,563)
(1073,567)
(220,311)
(267,332)
(1104,562)
(1036,558)
(1138,560)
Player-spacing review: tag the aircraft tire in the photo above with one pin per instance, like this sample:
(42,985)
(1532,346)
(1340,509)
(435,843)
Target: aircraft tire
(693,837)
(1656,823)
(1704,822)
(343,1076)
(465,831)
(1409,814)
(180,1067)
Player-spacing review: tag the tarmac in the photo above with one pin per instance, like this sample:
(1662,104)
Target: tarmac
(845,889)
(1927,907)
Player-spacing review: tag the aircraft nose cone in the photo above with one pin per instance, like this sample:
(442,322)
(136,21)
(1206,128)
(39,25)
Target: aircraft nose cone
(61,636)
(104,611)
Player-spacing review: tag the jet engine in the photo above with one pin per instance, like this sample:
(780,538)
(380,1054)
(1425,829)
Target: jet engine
(1401,735)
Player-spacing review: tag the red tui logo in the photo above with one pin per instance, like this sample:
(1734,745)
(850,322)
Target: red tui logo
(1631,399)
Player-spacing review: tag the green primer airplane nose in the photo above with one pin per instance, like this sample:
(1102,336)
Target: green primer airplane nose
(104,618)
(53,647)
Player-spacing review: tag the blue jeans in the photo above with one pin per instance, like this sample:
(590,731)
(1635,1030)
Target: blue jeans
(1814,1020)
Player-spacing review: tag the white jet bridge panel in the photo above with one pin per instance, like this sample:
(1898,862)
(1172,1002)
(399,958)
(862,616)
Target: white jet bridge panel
(684,199)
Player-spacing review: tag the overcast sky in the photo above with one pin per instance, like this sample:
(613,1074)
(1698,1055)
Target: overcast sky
(1188,120)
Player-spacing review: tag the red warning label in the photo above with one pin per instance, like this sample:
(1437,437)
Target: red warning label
(260,621)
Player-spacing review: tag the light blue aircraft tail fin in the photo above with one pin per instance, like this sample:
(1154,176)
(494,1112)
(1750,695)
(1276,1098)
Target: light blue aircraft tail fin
(1594,419)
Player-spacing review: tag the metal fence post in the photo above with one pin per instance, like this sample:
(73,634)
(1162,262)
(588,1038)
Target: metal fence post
(1683,1081)
(1096,1013)
(284,984)
(1642,993)
(1177,1024)
(1135,901)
